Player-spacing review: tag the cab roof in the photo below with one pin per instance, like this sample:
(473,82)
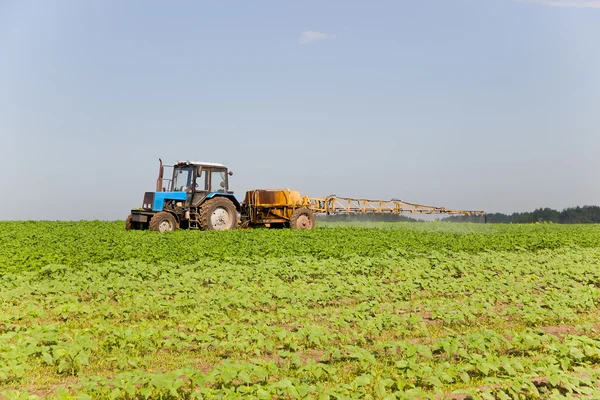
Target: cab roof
(208,164)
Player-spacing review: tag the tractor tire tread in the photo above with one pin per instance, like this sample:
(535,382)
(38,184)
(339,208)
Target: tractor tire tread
(208,207)
(159,217)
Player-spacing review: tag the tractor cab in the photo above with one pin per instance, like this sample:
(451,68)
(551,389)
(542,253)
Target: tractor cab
(199,180)
(196,179)
(192,176)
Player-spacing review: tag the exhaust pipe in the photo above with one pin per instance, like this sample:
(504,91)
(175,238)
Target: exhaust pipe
(159,180)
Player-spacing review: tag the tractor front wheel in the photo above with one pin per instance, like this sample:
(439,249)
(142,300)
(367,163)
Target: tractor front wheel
(218,214)
(302,218)
(162,222)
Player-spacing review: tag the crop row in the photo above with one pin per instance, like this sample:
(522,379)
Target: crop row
(33,245)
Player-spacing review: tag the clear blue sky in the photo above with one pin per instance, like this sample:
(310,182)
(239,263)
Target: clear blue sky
(491,105)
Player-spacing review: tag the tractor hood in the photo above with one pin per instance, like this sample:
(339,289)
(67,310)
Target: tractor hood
(155,201)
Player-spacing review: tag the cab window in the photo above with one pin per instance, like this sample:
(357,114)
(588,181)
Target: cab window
(182,179)
(218,181)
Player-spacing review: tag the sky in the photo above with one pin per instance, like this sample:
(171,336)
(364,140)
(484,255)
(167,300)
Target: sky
(472,104)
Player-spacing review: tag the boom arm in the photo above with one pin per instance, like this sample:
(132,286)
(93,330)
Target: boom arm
(334,205)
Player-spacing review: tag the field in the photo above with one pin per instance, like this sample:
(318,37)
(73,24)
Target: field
(396,310)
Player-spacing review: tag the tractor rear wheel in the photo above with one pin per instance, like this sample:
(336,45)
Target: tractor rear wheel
(162,222)
(218,214)
(129,223)
(302,218)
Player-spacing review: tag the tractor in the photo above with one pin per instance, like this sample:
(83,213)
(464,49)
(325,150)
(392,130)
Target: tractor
(196,197)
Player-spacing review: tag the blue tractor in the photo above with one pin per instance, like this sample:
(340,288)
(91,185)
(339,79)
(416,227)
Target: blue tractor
(196,197)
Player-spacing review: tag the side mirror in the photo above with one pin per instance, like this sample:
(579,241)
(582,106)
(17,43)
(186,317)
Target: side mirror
(230,173)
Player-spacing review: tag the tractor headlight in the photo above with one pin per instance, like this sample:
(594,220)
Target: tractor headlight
(179,204)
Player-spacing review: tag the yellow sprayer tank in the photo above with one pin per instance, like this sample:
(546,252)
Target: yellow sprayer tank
(277,208)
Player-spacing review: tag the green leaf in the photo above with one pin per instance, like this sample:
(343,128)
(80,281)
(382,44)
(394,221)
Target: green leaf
(263,394)
(508,368)
(465,377)
(228,375)
(11,394)
(244,377)
(146,392)
(425,351)
(382,386)
(435,381)
(487,395)
(576,353)
(400,384)
(554,380)
(483,367)
(362,380)
(115,394)
(47,358)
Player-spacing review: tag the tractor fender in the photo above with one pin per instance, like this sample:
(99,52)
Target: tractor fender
(229,196)
(177,217)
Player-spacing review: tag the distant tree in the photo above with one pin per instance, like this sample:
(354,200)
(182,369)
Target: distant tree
(580,215)
(546,215)
(571,215)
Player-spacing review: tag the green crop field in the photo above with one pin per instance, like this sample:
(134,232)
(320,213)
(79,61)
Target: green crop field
(390,310)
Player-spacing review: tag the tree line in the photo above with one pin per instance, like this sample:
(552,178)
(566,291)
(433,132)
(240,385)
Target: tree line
(571,215)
